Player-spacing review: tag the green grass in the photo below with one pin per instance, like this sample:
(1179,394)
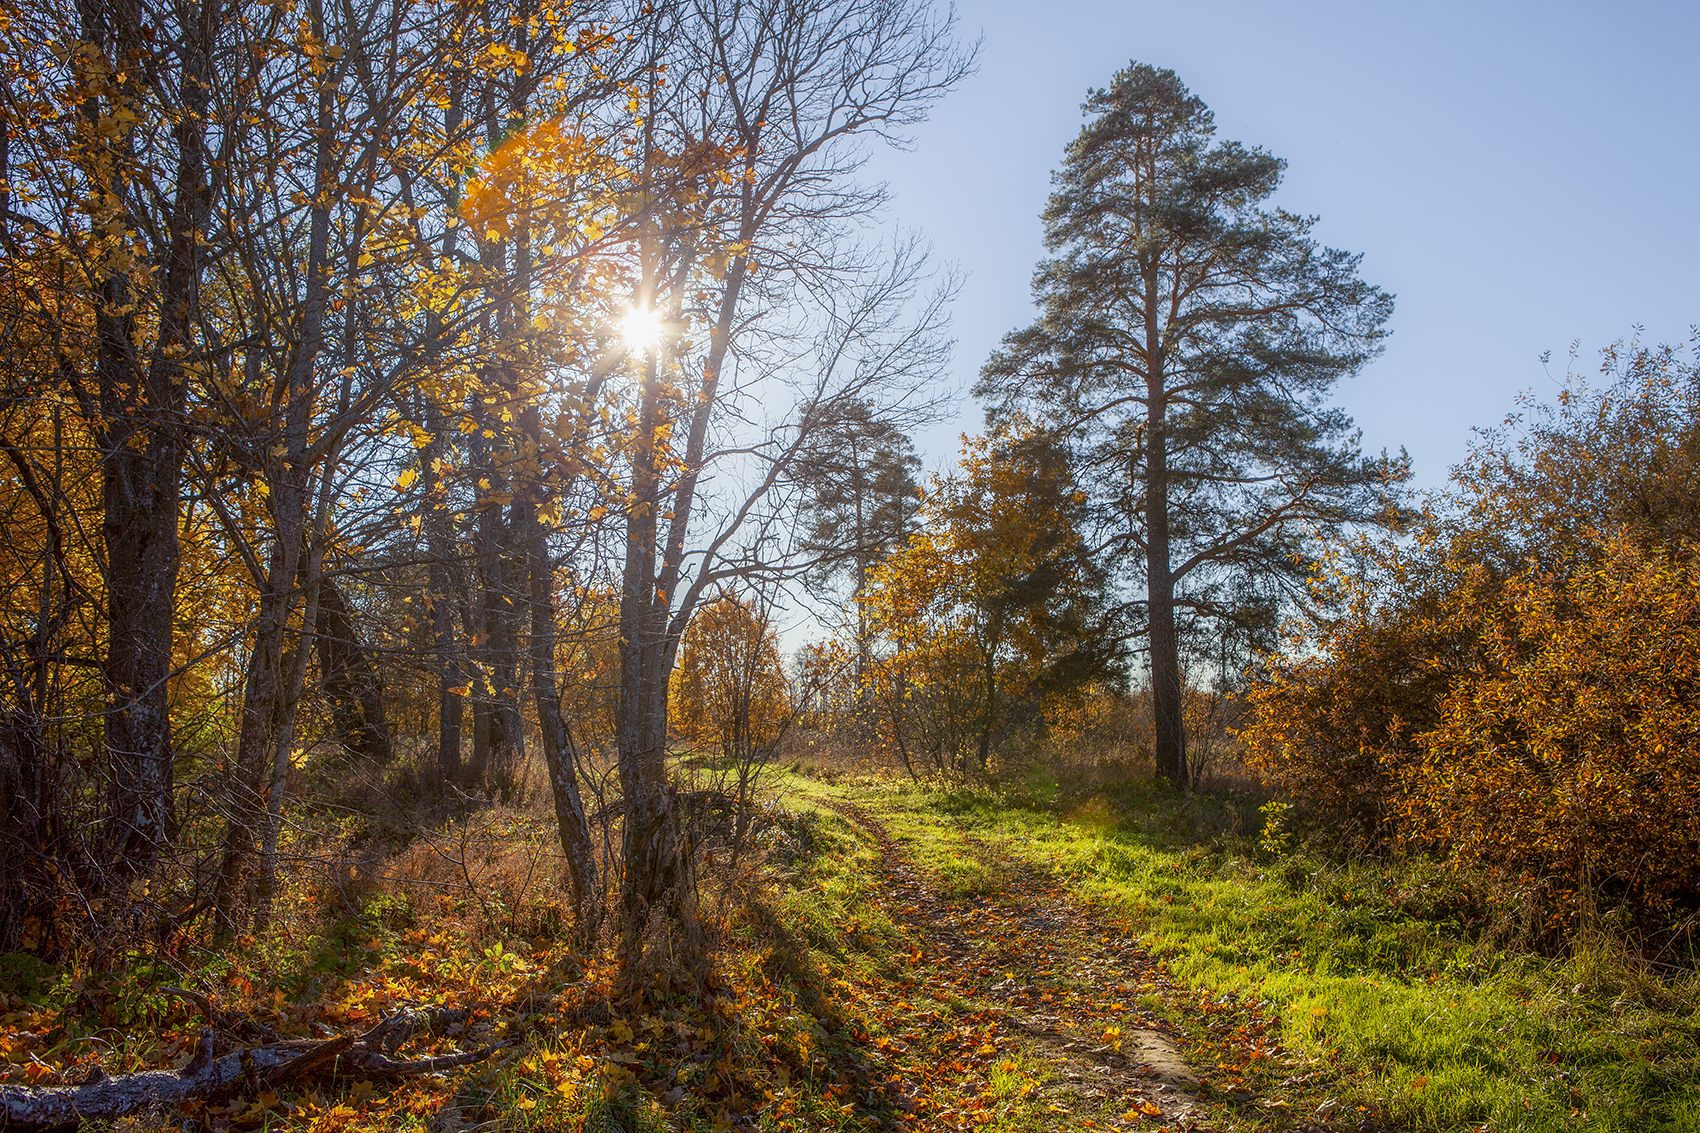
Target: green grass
(1369,959)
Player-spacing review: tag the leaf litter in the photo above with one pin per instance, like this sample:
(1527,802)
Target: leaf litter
(1061,990)
(1016,1006)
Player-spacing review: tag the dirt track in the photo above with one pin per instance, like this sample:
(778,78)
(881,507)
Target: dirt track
(1045,971)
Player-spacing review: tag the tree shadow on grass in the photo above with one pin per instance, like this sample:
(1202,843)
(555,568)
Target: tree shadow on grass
(867,1080)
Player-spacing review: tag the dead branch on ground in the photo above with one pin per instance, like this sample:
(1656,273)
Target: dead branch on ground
(209,1075)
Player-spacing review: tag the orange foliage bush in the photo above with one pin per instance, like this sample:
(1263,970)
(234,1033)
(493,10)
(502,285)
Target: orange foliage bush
(1518,686)
(1575,750)
(1337,721)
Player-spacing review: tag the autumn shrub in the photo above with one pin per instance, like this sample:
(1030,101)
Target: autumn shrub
(1516,687)
(1336,721)
(1575,751)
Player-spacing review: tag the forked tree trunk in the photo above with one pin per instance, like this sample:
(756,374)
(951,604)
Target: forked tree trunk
(141,433)
(269,704)
(655,886)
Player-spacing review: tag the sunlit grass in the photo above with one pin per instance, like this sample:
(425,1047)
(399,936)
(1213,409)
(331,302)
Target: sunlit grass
(1443,1030)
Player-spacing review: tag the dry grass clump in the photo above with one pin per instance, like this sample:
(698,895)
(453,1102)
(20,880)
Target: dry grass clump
(831,753)
(499,870)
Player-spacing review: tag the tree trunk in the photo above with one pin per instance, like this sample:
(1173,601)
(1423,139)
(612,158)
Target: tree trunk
(557,746)
(283,750)
(477,768)
(141,406)
(442,600)
(295,557)
(32,808)
(864,637)
(209,1076)
(357,696)
(449,674)
(29,808)
(1167,721)
(141,501)
(498,740)
(446,582)
(245,799)
(269,693)
(989,703)
(655,874)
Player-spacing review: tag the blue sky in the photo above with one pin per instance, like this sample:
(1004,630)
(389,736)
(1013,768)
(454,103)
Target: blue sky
(1520,175)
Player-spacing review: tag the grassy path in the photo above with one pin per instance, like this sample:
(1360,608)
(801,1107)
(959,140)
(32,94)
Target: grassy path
(1054,1017)
(1029,961)
(1307,994)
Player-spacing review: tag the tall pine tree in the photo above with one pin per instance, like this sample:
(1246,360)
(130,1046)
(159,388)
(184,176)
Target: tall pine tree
(1189,339)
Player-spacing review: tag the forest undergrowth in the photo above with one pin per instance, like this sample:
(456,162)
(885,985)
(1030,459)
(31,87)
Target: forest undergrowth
(906,958)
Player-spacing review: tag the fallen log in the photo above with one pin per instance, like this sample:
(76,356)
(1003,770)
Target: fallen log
(206,1076)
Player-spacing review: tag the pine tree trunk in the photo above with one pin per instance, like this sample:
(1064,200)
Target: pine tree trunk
(1167,721)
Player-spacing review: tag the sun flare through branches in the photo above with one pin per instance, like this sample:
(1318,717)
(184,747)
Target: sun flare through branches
(640,328)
